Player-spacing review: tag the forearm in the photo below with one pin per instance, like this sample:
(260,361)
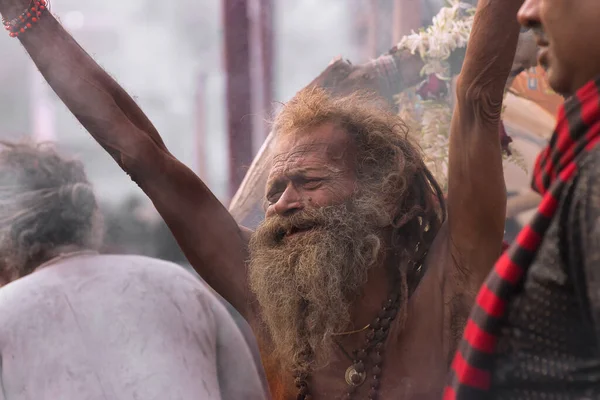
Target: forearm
(490,55)
(476,189)
(475,170)
(95,99)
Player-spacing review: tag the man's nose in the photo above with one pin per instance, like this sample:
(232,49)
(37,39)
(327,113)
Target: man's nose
(290,202)
(529,13)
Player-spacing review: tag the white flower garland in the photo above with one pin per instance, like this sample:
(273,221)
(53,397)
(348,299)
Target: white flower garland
(429,119)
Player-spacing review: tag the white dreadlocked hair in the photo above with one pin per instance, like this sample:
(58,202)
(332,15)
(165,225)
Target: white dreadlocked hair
(46,202)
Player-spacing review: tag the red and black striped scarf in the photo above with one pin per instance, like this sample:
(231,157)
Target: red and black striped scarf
(577,132)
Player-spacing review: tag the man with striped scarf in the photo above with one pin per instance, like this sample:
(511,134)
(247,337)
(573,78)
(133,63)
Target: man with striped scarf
(534,332)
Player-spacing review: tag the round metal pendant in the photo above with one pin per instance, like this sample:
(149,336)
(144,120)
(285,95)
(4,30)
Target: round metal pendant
(355,378)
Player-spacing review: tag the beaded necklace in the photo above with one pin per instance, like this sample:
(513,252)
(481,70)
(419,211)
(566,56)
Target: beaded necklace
(371,355)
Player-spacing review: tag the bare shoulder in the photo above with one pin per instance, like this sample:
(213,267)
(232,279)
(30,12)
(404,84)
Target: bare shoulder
(132,281)
(169,277)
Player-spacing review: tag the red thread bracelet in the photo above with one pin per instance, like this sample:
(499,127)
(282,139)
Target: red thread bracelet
(25,21)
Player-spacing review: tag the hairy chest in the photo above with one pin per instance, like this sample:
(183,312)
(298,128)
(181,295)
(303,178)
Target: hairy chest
(415,358)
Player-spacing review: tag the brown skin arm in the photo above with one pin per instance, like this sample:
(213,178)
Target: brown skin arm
(476,188)
(206,232)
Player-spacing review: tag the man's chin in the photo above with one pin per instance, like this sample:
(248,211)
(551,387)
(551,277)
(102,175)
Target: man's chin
(559,82)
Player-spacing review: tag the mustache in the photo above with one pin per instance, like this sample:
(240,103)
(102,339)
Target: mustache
(539,33)
(277,227)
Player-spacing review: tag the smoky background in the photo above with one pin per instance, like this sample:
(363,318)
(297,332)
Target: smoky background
(170,56)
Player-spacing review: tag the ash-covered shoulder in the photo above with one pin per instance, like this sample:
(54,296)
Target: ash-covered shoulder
(133,279)
(160,269)
(163,275)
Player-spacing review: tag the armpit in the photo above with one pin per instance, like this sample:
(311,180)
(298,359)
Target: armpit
(460,307)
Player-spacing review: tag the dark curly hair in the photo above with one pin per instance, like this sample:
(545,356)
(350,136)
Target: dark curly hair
(46,203)
(390,163)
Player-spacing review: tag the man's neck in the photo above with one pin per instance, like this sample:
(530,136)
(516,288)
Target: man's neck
(369,303)
(376,291)
(63,252)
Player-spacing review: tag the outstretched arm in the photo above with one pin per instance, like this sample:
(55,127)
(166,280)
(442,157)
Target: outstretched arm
(476,189)
(208,235)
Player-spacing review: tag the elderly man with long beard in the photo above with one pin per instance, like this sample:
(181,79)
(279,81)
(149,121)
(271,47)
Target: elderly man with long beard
(356,285)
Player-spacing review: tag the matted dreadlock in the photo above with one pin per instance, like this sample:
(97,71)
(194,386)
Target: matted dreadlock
(46,202)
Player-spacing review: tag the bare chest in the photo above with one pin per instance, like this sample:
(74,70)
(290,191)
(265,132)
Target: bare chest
(414,365)
(409,371)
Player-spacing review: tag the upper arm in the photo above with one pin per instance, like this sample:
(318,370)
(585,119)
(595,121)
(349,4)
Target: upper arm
(212,241)
(210,238)
(476,190)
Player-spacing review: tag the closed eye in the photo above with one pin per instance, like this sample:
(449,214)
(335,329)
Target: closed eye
(313,183)
(274,191)
(272,198)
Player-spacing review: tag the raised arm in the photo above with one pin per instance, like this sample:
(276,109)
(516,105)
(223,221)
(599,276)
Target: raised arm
(208,235)
(476,189)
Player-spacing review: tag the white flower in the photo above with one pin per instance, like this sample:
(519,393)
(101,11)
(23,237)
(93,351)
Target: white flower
(430,120)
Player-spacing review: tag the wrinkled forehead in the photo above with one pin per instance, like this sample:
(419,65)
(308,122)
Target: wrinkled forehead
(326,146)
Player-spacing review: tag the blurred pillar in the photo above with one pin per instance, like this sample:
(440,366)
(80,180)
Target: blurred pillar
(200,127)
(385,16)
(365,30)
(261,62)
(236,25)
(373,19)
(268,47)
(407,16)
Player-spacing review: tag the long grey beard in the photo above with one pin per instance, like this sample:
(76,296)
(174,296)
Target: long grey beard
(305,284)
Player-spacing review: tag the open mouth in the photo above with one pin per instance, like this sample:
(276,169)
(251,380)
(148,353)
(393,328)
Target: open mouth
(542,57)
(293,231)
(297,230)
